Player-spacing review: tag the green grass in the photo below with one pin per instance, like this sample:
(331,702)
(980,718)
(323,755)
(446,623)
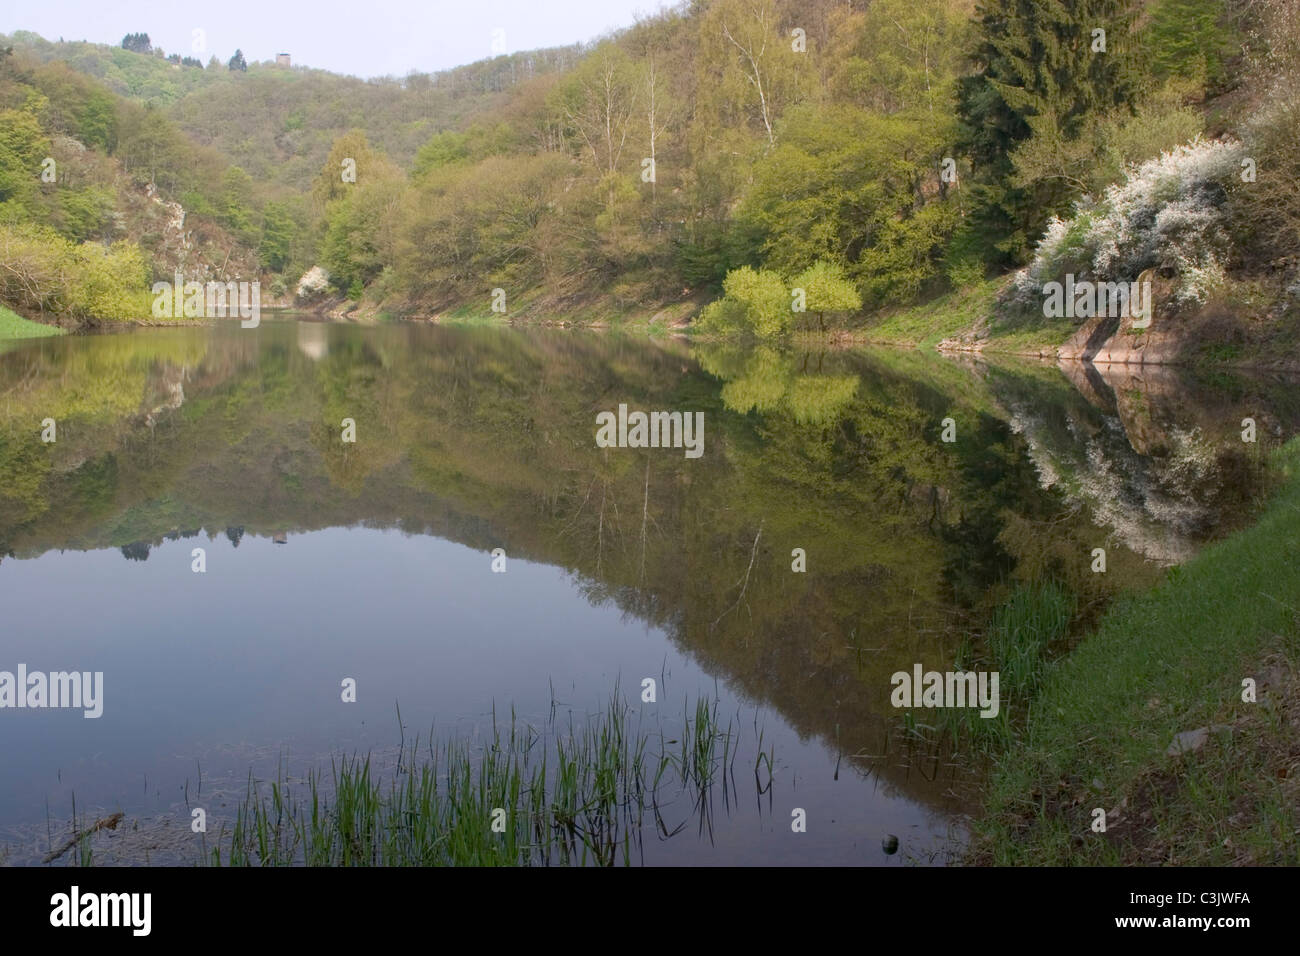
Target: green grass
(928,324)
(14,326)
(471,316)
(1023,630)
(1045,335)
(961,313)
(1022,634)
(1169,660)
(560,794)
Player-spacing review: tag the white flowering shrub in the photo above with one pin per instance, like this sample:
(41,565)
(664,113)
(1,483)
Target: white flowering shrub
(1168,213)
(313,282)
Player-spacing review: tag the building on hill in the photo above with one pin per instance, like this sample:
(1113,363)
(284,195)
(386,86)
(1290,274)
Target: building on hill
(282,59)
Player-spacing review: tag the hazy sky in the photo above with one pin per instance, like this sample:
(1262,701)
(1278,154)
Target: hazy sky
(362,37)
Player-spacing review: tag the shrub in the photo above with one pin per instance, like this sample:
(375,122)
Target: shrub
(827,290)
(1169,212)
(48,273)
(755,300)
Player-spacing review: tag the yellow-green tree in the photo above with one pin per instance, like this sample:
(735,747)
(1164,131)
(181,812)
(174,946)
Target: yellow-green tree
(825,289)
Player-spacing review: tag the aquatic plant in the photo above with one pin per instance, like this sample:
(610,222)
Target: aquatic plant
(525,795)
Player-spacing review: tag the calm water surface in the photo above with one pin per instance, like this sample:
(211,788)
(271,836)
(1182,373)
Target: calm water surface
(327,560)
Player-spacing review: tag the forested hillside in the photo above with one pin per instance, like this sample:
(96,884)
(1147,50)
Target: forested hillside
(873,154)
(89,184)
(277,123)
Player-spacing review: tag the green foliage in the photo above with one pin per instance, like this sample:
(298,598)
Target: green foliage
(22,148)
(530,172)
(1192,39)
(137,43)
(447,148)
(96,120)
(857,181)
(760,304)
(278,233)
(75,159)
(905,57)
(1112,140)
(361,192)
(1038,76)
(235,204)
(82,213)
(47,273)
(826,290)
(750,73)
(964,260)
(352,155)
(492,224)
(907,254)
(596,103)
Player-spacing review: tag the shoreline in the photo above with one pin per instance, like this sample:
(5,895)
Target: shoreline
(1149,719)
(834,339)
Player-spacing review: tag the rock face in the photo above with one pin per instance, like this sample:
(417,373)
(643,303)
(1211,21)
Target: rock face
(313,283)
(1108,340)
(200,250)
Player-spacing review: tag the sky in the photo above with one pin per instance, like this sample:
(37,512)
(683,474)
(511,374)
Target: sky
(364,38)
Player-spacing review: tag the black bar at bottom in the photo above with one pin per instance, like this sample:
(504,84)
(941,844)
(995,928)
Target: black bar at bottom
(335,906)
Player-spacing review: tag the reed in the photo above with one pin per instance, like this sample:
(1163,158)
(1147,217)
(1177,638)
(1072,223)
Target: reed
(525,795)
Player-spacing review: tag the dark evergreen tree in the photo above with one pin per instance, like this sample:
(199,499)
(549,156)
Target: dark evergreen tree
(278,229)
(1191,38)
(137,43)
(237,62)
(1037,62)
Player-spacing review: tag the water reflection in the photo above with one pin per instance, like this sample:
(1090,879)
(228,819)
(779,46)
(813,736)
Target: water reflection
(476,439)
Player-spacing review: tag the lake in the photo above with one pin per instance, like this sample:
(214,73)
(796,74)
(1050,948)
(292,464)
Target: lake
(376,560)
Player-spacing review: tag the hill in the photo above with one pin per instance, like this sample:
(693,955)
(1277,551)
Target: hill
(89,190)
(278,123)
(814,164)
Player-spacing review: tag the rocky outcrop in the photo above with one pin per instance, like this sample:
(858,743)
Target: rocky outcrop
(1111,340)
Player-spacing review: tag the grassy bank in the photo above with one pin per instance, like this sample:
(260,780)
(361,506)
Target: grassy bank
(927,324)
(1164,663)
(14,326)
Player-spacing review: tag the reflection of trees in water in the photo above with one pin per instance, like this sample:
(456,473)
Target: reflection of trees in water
(1162,501)
(136,551)
(767,380)
(486,437)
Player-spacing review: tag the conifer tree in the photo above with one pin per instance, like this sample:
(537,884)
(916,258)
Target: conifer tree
(137,43)
(1041,66)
